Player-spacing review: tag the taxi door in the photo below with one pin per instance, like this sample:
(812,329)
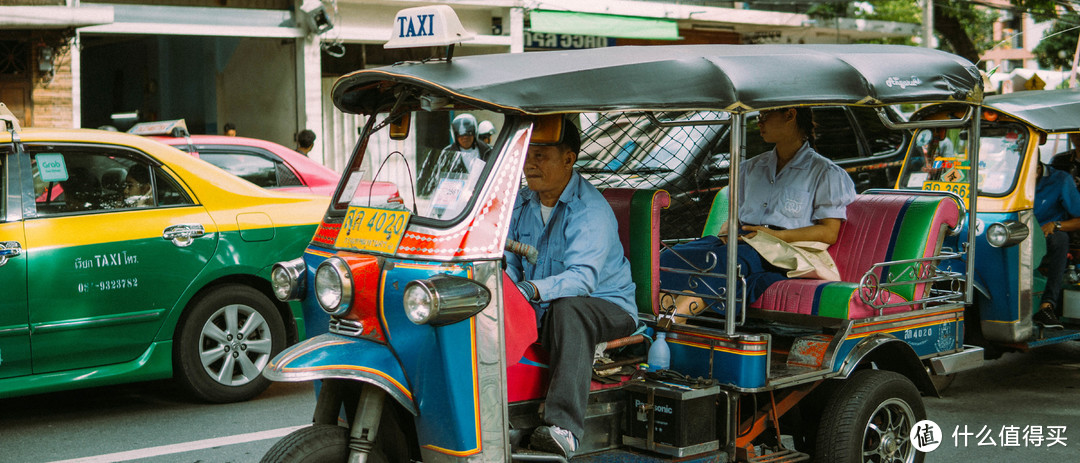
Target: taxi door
(103,275)
(14,327)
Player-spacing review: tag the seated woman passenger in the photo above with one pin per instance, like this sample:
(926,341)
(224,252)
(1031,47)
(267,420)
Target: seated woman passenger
(138,191)
(790,192)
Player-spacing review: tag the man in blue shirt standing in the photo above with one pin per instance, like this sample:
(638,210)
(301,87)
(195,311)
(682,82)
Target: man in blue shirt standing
(580,285)
(1057,208)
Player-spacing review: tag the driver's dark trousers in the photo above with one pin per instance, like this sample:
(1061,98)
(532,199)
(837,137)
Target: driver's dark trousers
(1054,263)
(570,330)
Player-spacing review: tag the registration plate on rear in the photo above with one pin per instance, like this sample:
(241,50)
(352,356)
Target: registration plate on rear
(371,229)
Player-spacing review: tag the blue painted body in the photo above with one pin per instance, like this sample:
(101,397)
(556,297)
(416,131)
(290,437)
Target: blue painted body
(435,365)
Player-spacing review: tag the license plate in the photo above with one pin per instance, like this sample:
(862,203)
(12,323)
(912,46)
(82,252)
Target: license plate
(961,189)
(371,229)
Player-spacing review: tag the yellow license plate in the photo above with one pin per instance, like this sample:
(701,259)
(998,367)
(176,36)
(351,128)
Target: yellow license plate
(961,189)
(370,229)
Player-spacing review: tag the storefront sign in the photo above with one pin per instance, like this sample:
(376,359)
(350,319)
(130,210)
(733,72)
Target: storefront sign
(565,41)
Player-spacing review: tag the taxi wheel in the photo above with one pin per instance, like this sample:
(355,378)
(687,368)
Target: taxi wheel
(225,342)
(869,418)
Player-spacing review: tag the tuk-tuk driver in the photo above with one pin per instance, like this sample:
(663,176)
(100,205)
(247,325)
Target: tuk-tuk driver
(1057,208)
(580,285)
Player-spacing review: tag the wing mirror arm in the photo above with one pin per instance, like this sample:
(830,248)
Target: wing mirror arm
(935,124)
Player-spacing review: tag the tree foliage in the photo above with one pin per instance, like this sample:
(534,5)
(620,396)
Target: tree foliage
(1059,43)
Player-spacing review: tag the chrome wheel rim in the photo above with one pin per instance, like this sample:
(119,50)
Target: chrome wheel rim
(886,437)
(234,345)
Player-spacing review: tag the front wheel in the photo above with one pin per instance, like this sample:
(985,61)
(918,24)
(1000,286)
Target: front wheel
(224,343)
(869,417)
(317,443)
(326,443)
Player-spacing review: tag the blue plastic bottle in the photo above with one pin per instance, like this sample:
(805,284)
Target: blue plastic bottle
(659,354)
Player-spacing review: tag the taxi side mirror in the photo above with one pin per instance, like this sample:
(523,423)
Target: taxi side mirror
(399,129)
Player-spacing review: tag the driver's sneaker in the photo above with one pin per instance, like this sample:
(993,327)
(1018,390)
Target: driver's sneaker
(553,439)
(1046,318)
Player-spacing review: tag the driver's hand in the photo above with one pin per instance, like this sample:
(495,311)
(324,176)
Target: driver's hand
(1047,228)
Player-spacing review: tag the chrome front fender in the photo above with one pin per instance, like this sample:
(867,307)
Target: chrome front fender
(329,356)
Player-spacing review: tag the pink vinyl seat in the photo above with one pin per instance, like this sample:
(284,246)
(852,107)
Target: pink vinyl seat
(879,228)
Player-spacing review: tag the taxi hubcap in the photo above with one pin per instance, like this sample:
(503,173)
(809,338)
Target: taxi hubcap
(235,345)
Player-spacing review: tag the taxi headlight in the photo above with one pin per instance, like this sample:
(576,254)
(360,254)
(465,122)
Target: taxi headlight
(444,299)
(333,286)
(287,279)
(1004,234)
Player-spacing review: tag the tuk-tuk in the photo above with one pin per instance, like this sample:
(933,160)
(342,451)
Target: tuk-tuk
(1010,246)
(428,347)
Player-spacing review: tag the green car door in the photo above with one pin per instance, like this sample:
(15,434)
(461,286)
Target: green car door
(14,327)
(113,244)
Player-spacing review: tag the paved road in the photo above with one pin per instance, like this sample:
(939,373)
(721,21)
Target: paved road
(1037,388)
(151,423)
(148,422)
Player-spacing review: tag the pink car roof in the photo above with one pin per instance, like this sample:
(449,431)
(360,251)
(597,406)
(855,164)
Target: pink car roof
(318,178)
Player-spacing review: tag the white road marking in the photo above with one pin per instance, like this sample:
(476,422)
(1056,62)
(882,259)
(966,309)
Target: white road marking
(185,446)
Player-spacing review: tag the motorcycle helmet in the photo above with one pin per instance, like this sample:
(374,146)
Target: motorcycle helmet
(464,124)
(487,128)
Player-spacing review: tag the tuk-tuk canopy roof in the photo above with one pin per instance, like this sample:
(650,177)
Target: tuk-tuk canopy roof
(1048,110)
(735,78)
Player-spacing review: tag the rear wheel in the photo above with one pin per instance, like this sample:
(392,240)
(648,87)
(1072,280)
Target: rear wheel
(224,343)
(869,418)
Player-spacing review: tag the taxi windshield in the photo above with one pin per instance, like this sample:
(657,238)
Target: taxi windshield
(938,159)
(434,172)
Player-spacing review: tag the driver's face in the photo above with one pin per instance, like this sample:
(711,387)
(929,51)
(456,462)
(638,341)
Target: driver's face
(548,169)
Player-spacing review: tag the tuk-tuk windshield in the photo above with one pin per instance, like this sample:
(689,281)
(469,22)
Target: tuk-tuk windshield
(938,159)
(434,171)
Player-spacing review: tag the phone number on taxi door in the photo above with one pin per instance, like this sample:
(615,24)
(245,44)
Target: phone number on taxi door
(109,285)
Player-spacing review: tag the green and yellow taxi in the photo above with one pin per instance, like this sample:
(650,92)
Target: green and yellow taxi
(123,259)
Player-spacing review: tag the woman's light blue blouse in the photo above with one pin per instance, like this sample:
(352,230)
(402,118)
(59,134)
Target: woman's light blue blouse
(810,187)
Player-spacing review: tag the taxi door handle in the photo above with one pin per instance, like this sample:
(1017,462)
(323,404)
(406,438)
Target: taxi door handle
(184,234)
(9,249)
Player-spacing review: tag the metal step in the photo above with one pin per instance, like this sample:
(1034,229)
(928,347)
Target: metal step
(781,456)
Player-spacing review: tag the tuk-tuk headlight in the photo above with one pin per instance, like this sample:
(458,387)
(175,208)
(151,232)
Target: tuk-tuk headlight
(287,279)
(444,299)
(419,303)
(333,286)
(1004,234)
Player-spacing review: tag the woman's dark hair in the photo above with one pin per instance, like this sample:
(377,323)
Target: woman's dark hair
(804,119)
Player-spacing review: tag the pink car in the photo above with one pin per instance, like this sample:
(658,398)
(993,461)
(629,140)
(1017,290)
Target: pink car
(261,162)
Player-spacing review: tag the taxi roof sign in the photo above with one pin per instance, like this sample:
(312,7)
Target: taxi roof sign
(8,121)
(427,26)
(175,128)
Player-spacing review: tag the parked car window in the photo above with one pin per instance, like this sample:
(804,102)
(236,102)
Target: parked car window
(253,167)
(80,179)
(835,136)
(882,140)
(3,189)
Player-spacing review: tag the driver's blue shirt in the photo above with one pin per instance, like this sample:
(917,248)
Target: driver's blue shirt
(579,249)
(1056,197)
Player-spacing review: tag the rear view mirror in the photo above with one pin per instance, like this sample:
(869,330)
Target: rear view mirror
(399,129)
(547,130)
